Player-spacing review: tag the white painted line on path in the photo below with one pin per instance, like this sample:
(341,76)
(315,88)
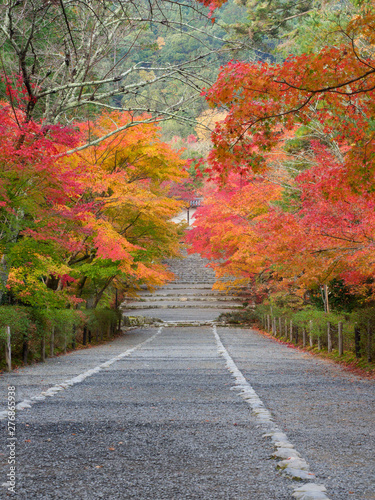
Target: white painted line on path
(26,403)
(292,464)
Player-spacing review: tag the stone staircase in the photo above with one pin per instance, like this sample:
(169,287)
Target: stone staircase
(189,298)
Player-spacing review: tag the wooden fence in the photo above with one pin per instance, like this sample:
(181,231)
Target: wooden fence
(29,345)
(341,337)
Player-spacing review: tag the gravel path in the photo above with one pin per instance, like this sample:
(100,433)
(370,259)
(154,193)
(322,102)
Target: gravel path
(32,380)
(326,412)
(161,424)
(181,412)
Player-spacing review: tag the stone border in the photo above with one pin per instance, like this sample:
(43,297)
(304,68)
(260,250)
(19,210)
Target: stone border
(26,403)
(291,463)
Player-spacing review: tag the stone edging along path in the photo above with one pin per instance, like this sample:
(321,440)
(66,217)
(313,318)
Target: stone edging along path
(292,464)
(26,403)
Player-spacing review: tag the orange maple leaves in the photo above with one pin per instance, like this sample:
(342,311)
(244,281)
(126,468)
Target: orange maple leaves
(307,126)
(132,220)
(97,217)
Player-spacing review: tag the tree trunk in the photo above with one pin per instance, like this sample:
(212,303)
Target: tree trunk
(311,333)
(327,298)
(304,337)
(84,336)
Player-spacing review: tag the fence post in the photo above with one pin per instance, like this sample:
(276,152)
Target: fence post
(310,333)
(341,340)
(369,342)
(357,342)
(52,342)
(304,337)
(329,336)
(8,349)
(291,331)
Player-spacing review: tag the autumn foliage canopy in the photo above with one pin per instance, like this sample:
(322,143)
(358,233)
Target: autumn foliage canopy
(73,224)
(289,187)
(290,205)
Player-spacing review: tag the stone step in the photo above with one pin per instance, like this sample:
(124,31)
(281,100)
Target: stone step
(192,282)
(185,298)
(181,306)
(186,286)
(181,298)
(182,292)
(189,297)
